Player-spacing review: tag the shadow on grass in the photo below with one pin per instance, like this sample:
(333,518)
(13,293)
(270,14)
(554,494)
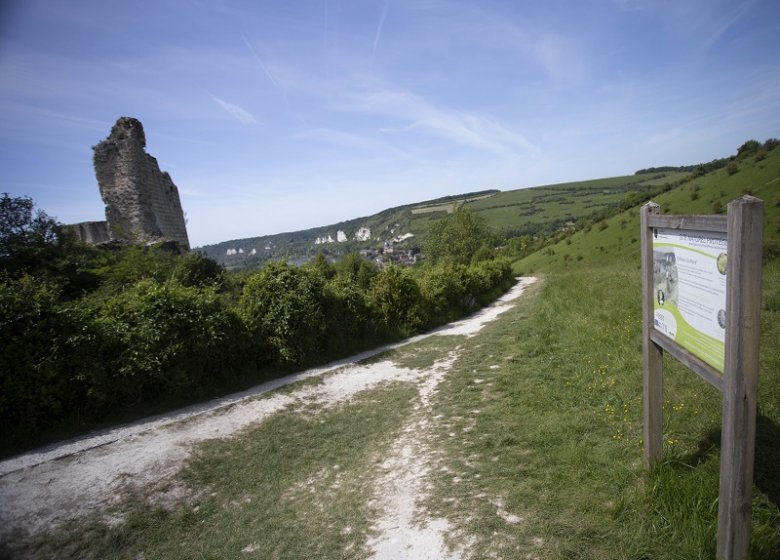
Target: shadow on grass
(766,475)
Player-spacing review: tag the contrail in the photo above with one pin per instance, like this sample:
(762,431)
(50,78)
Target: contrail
(380,26)
(259,61)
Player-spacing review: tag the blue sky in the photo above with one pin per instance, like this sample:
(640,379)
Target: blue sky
(275,116)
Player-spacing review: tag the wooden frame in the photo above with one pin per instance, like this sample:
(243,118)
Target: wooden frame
(744,228)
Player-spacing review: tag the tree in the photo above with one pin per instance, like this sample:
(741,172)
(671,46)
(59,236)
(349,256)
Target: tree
(24,233)
(458,237)
(749,148)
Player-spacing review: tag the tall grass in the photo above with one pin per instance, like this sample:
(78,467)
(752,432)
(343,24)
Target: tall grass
(546,410)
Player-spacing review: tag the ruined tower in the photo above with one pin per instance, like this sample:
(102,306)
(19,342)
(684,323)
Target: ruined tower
(142,203)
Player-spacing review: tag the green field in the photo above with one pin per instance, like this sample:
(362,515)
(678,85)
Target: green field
(524,210)
(617,238)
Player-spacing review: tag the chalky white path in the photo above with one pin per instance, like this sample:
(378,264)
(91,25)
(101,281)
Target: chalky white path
(41,489)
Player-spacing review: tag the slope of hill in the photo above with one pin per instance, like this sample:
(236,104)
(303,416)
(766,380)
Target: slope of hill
(616,239)
(543,209)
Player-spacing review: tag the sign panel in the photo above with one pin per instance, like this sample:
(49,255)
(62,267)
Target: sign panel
(689,297)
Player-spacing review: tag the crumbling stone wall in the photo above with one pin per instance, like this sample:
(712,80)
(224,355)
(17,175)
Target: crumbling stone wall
(95,233)
(142,203)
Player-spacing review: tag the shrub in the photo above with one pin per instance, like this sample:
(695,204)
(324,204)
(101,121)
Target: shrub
(37,361)
(489,279)
(166,337)
(444,288)
(350,324)
(133,263)
(285,305)
(458,237)
(397,301)
(193,269)
(355,269)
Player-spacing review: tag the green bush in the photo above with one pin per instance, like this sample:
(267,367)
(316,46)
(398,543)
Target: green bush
(459,237)
(397,301)
(285,305)
(445,290)
(38,362)
(193,269)
(165,337)
(351,325)
(357,270)
(489,279)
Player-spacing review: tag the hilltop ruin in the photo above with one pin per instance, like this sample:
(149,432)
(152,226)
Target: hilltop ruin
(142,202)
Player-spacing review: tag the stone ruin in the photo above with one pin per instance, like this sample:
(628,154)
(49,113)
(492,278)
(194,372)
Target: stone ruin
(142,203)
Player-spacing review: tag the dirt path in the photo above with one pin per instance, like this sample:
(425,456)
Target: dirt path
(41,489)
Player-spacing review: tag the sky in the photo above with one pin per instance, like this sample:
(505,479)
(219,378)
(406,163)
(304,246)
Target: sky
(275,116)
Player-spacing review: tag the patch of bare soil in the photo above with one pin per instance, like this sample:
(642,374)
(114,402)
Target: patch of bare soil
(42,489)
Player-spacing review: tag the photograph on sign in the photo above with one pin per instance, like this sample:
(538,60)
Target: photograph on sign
(689,291)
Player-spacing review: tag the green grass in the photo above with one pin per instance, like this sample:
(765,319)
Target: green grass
(542,420)
(537,451)
(296,486)
(617,238)
(566,201)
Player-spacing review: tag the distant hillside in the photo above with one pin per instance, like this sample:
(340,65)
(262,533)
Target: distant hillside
(366,233)
(545,209)
(617,238)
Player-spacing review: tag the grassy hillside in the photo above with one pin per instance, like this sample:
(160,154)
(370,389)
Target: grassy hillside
(545,209)
(578,390)
(617,238)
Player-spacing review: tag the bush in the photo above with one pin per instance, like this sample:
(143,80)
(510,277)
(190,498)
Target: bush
(490,279)
(284,305)
(444,288)
(193,269)
(38,361)
(350,322)
(458,237)
(133,263)
(397,301)
(356,270)
(166,338)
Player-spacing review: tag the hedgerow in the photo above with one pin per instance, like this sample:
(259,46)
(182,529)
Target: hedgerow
(92,331)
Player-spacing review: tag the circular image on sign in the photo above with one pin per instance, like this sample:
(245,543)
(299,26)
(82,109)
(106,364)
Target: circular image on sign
(721,263)
(722,318)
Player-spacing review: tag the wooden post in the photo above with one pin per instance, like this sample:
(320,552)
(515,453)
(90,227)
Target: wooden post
(652,363)
(740,377)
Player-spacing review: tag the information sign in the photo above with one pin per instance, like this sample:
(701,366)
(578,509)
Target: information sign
(689,291)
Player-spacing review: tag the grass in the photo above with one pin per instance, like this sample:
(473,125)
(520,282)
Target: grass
(617,238)
(537,451)
(296,486)
(567,201)
(543,422)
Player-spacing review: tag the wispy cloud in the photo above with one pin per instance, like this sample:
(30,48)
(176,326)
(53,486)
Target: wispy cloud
(351,141)
(464,128)
(260,62)
(241,115)
(381,26)
(718,27)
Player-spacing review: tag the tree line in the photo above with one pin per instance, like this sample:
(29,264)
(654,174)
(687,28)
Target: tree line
(86,331)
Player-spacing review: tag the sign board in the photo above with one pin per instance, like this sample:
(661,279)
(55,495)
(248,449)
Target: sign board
(704,309)
(689,287)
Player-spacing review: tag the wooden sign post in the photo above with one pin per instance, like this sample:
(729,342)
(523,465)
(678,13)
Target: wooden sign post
(701,274)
